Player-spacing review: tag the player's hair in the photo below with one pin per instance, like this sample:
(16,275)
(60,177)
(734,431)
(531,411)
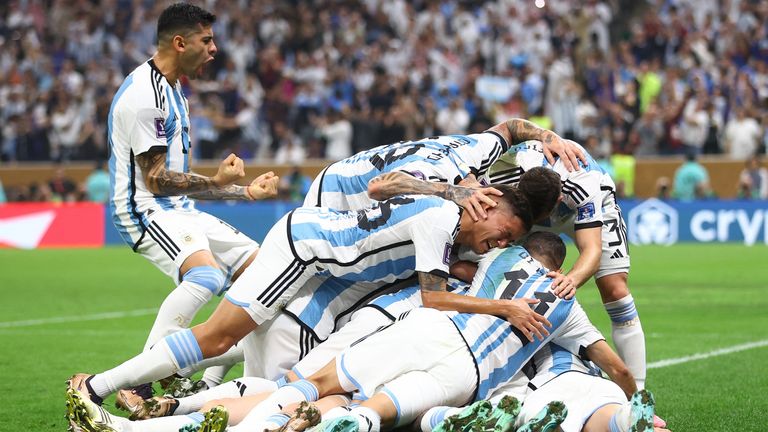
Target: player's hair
(182,18)
(542,187)
(518,203)
(546,247)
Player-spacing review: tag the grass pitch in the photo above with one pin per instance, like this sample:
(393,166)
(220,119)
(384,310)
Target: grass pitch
(86,310)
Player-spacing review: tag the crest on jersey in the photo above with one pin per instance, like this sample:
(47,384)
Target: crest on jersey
(160,127)
(586,211)
(447,254)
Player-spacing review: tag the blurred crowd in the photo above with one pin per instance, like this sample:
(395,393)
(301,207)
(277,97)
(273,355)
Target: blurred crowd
(327,78)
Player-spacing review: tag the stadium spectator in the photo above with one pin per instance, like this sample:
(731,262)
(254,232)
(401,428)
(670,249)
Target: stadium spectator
(742,135)
(691,181)
(753,180)
(61,187)
(97,184)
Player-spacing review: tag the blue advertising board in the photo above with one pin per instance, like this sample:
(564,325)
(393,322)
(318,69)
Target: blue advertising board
(648,222)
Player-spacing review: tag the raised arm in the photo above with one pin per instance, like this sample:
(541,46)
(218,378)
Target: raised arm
(387,185)
(517,130)
(517,312)
(161,181)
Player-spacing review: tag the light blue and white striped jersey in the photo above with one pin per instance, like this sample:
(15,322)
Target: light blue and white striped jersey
(386,242)
(447,159)
(499,349)
(553,360)
(147,112)
(585,191)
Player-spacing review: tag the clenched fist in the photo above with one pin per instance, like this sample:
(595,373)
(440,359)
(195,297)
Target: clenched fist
(263,186)
(231,169)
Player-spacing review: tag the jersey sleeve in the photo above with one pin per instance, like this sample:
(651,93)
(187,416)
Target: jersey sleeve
(433,236)
(487,149)
(581,192)
(148,129)
(577,333)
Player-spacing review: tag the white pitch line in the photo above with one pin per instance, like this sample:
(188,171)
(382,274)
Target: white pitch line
(65,319)
(701,356)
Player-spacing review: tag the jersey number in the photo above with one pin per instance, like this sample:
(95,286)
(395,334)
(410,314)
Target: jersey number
(390,157)
(386,212)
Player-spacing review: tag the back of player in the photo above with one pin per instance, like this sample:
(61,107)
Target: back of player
(589,204)
(499,349)
(448,159)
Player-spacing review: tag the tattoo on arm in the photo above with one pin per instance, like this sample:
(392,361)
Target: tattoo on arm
(522,130)
(430,282)
(396,183)
(161,181)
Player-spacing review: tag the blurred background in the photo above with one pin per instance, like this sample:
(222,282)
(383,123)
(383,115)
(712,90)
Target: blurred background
(671,96)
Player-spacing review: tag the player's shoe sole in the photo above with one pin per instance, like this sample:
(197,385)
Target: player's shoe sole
(472,418)
(339,424)
(547,420)
(83,419)
(502,418)
(215,420)
(642,406)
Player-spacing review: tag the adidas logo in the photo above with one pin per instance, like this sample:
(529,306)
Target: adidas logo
(617,254)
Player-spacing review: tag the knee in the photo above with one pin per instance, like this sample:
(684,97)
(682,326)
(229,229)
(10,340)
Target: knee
(613,287)
(206,277)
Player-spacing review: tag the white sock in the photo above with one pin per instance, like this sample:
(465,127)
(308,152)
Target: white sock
(621,419)
(165,424)
(170,354)
(367,419)
(178,310)
(628,336)
(298,391)
(245,386)
(233,356)
(435,415)
(336,412)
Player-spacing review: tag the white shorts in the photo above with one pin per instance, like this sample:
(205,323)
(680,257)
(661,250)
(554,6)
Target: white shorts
(615,257)
(364,322)
(425,341)
(275,347)
(173,236)
(582,394)
(272,279)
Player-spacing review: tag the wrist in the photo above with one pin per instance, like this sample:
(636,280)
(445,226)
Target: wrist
(249,194)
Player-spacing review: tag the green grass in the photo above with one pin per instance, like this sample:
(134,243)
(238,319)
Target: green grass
(691,298)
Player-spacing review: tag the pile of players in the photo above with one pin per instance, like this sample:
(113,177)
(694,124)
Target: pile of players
(408,286)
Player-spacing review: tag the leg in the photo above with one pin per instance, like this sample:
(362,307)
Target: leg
(626,329)
(227,325)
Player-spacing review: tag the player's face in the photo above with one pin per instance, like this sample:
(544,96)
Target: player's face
(499,230)
(199,49)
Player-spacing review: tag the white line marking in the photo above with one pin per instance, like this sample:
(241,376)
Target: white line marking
(65,319)
(701,356)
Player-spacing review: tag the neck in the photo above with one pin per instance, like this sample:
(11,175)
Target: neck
(465,223)
(167,65)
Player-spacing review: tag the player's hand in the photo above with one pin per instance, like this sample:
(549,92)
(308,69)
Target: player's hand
(520,315)
(473,203)
(568,152)
(231,169)
(263,186)
(470,181)
(563,285)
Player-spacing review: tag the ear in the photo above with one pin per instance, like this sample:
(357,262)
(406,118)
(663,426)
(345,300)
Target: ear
(178,43)
(560,199)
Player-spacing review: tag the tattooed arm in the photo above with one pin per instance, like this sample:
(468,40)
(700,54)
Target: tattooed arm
(161,181)
(387,185)
(517,312)
(518,130)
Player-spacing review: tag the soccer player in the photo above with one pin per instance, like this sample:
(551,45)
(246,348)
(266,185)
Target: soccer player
(451,159)
(588,213)
(445,356)
(153,190)
(393,240)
